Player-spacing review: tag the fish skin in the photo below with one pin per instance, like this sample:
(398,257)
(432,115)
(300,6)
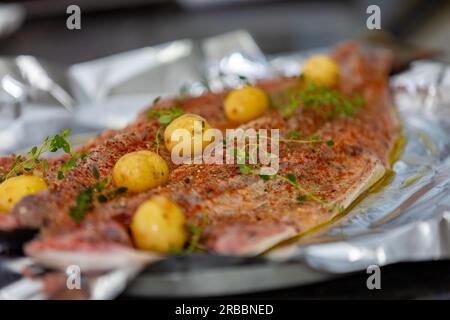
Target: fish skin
(246,215)
(6,163)
(51,206)
(93,248)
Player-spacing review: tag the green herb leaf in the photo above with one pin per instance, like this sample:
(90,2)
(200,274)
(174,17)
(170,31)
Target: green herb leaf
(327,102)
(95,172)
(102,198)
(27,166)
(194,229)
(291,177)
(33,158)
(295,134)
(84,155)
(165,119)
(85,199)
(117,192)
(66,132)
(245,169)
(83,205)
(156,100)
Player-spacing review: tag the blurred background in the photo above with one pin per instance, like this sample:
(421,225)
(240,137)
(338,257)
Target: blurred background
(38,27)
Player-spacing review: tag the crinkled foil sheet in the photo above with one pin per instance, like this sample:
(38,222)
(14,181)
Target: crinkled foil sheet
(405,219)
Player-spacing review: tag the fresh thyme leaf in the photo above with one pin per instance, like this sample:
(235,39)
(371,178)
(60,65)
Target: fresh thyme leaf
(156,100)
(95,172)
(165,119)
(84,155)
(196,234)
(85,199)
(328,102)
(72,162)
(100,187)
(32,159)
(295,134)
(102,198)
(158,139)
(66,132)
(165,116)
(27,166)
(176,112)
(291,177)
(83,205)
(117,192)
(44,164)
(194,229)
(245,169)
(59,142)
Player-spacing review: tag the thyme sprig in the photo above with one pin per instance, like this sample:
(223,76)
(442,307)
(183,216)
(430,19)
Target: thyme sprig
(327,102)
(312,139)
(33,158)
(197,232)
(289,178)
(101,192)
(71,163)
(165,117)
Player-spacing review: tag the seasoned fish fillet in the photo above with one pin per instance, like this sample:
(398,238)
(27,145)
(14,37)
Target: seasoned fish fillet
(245,215)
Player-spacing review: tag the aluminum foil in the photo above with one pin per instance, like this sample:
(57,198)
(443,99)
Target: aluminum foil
(39,98)
(407,219)
(11,18)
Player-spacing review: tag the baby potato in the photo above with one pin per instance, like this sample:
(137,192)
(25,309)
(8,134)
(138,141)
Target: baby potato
(140,171)
(195,126)
(321,70)
(158,225)
(14,189)
(245,104)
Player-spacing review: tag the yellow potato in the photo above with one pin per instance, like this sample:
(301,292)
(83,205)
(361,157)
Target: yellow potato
(14,189)
(140,171)
(245,104)
(158,225)
(321,70)
(195,126)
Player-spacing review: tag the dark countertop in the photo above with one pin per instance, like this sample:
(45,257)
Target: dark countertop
(419,280)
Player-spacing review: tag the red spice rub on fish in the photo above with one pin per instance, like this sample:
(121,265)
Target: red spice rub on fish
(244,213)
